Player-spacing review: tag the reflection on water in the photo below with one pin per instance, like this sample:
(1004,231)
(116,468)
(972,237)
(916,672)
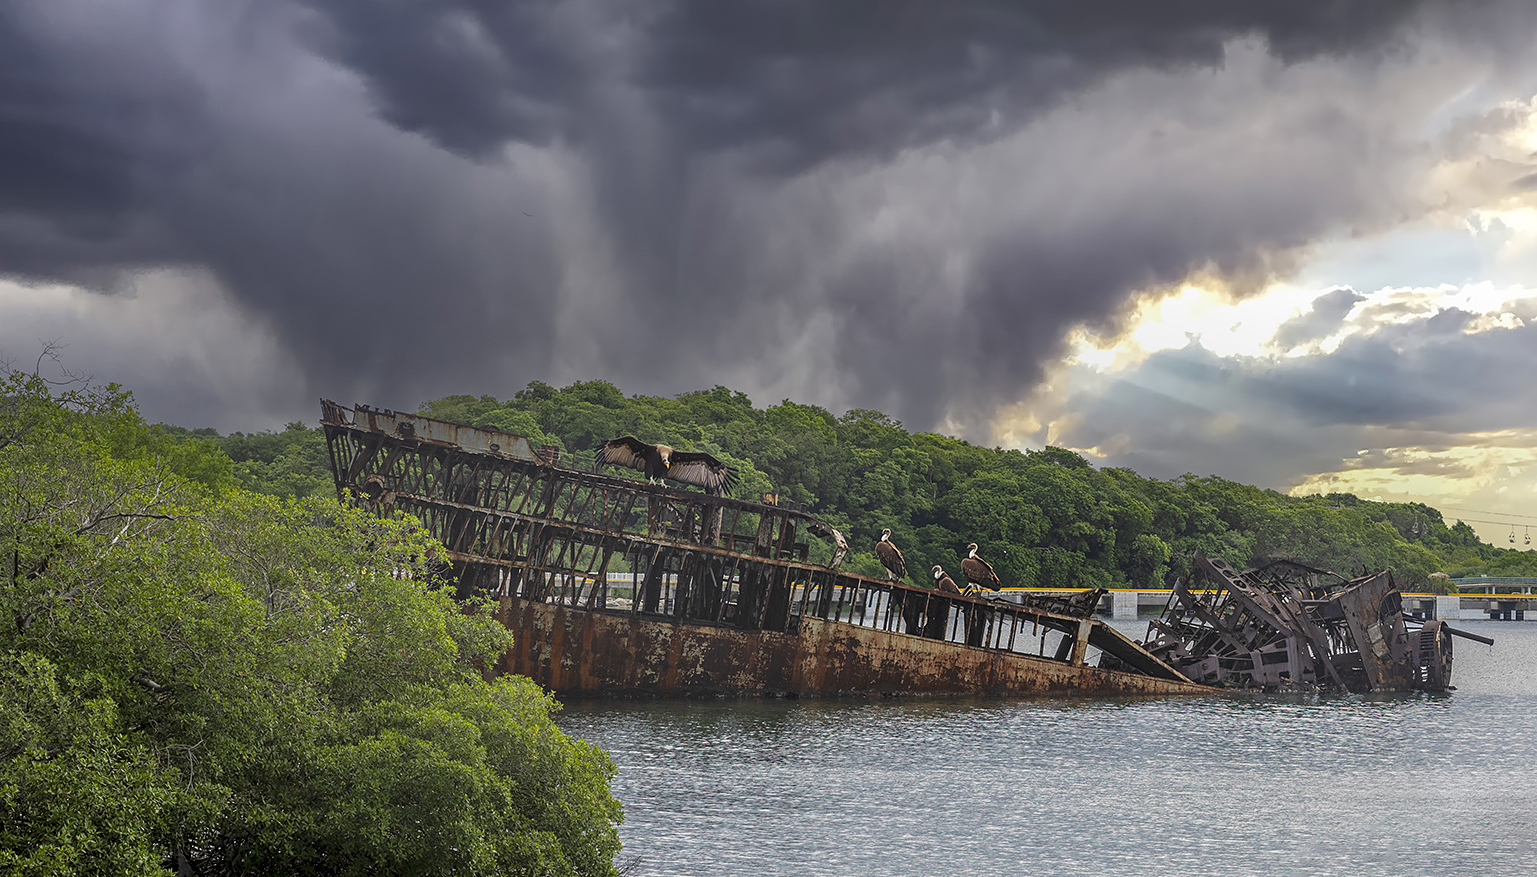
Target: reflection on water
(1348,785)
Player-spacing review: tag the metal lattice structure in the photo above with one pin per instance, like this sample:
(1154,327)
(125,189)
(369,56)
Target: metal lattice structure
(619,585)
(1288,625)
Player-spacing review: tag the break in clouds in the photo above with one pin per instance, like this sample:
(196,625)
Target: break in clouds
(895,206)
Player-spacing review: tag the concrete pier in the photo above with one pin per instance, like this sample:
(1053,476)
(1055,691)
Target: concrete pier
(1123,605)
(1448,607)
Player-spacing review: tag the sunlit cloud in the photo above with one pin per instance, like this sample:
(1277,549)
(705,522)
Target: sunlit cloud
(1492,471)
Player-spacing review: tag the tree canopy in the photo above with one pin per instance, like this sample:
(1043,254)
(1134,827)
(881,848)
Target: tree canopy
(1046,517)
(197,678)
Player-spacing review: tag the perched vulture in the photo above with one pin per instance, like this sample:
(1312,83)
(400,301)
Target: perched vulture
(889,556)
(660,461)
(977,571)
(942,581)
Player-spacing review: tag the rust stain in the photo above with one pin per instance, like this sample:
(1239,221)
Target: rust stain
(824,658)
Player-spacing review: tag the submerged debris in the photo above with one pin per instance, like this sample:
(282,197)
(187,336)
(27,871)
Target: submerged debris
(1286,625)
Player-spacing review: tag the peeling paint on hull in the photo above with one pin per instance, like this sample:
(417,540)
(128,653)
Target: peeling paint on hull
(576,651)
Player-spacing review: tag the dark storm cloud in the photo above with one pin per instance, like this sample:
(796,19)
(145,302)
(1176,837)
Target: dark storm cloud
(1430,375)
(177,135)
(423,198)
(83,132)
(800,80)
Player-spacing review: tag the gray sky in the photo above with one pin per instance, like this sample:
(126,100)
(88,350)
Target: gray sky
(1018,223)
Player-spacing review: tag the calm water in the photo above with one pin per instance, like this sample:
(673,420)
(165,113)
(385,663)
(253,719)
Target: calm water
(1421,784)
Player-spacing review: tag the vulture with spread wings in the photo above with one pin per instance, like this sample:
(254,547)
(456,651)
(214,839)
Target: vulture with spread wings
(660,461)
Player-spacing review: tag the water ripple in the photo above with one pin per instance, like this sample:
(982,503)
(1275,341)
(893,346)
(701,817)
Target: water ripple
(1305,785)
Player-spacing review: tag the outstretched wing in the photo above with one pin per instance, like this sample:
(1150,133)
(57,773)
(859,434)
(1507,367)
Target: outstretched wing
(627,450)
(701,470)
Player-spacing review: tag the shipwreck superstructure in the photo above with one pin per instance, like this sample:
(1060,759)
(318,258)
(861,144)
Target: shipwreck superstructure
(1286,625)
(624,587)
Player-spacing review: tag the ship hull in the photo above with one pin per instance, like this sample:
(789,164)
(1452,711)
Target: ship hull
(574,651)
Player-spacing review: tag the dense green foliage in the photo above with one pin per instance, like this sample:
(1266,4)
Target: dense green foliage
(1040,517)
(291,463)
(194,676)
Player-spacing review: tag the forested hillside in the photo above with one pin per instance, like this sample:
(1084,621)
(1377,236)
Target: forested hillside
(196,679)
(1041,517)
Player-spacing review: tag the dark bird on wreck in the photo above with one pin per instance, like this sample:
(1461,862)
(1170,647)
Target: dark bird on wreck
(978,571)
(660,461)
(890,556)
(942,581)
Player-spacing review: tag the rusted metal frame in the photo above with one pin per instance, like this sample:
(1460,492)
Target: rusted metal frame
(805,600)
(426,478)
(425,482)
(538,550)
(843,593)
(560,493)
(710,587)
(422,480)
(497,478)
(778,601)
(685,546)
(332,437)
(649,590)
(764,597)
(683,586)
(360,458)
(728,534)
(610,518)
(569,548)
(600,583)
(659,513)
(1314,638)
(1110,641)
(728,584)
(547,486)
(531,486)
(785,549)
(459,461)
(573,474)
(392,460)
(593,495)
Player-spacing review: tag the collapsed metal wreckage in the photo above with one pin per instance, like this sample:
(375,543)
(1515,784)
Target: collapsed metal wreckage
(1286,625)
(619,586)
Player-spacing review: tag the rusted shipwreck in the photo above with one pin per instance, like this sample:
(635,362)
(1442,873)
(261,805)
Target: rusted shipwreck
(1284,625)
(615,586)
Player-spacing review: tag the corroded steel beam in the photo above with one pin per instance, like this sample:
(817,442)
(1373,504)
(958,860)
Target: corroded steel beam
(1289,625)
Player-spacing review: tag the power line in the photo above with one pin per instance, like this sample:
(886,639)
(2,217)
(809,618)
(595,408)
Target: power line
(1482,512)
(1498,523)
